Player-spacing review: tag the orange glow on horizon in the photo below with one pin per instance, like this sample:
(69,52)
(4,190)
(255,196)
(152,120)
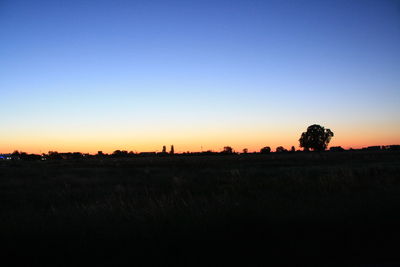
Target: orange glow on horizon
(189,139)
(179,148)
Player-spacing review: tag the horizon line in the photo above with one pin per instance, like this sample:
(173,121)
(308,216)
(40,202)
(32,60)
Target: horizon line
(187,151)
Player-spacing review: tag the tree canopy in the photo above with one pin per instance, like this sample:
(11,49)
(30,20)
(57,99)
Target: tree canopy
(281,149)
(316,138)
(265,150)
(227,150)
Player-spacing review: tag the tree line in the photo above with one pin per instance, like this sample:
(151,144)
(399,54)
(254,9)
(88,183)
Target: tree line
(315,138)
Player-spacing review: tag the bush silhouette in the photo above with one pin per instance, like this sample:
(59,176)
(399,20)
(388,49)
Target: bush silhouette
(227,150)
(265,150)
(280,149)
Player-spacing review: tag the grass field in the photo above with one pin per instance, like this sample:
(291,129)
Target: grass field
(325,208)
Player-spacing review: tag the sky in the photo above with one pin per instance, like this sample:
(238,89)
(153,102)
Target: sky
(86,76)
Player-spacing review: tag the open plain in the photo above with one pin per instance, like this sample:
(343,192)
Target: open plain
(326,207)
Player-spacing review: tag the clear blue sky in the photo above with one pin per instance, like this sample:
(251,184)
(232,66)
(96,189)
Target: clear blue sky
(105,75)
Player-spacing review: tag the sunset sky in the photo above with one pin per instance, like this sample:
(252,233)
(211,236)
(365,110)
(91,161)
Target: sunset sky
(136,75)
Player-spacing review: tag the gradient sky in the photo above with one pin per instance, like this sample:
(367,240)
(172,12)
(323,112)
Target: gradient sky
(104,75)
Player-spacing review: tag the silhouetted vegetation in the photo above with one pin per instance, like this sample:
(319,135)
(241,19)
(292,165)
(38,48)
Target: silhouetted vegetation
(120,154)
(336,149)
(316,138)
(265,150)
(280,149)
(54,155)
(169,202)
(227,150)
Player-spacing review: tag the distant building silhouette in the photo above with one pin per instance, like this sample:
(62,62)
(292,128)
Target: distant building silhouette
(5,156)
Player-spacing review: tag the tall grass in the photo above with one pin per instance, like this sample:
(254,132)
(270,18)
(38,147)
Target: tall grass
(271,197)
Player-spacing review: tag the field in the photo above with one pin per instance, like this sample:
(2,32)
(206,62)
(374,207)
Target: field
(324,208)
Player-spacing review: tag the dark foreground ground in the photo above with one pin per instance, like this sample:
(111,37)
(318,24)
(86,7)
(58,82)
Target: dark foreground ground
(327,209)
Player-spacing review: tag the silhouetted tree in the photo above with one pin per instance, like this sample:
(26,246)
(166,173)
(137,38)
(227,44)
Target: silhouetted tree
(227,150)
(280,149)
(164,149)
(119,154)
(316,138)
(265,150)
(293,149)
(245,150)
(54,155)
(172,151)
